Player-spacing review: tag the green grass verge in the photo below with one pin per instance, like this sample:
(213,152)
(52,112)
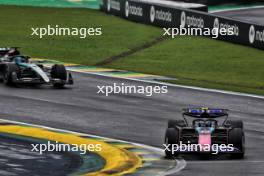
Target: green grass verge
(194,61)
(202,62)
(118,35)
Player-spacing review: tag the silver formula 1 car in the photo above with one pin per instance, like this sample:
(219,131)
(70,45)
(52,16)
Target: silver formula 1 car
(17,69)
(205,130)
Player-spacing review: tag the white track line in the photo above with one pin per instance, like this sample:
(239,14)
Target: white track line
(181,164)
(180,86)
(236,9)
(224,162)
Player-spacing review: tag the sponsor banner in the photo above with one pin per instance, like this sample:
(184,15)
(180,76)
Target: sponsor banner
(204,20)
(166,16)
(256,35)
(189,19)
(115,7)
(163,16)
(136,11)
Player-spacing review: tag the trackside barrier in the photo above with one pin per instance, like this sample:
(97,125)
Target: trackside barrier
(168,16)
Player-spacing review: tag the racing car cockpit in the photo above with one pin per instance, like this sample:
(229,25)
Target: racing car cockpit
(205,123)
(20,59)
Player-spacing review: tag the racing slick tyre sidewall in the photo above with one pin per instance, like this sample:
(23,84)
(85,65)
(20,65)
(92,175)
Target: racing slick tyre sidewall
(237,138)
(174,123)
(171,137)
(235,123)
(9,70)
(58,72)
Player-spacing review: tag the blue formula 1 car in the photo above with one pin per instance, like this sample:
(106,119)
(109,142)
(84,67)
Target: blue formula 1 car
(17,69)
(205,130)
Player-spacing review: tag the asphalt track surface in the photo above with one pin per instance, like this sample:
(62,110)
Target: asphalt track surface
(255,15)
(16,158)
(137,118)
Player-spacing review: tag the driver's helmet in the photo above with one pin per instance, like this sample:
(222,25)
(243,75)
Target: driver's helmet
(205,115)
(209,122)
(13,52)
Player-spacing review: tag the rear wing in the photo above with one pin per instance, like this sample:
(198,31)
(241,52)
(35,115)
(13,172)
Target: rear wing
(210,112)
(5,50)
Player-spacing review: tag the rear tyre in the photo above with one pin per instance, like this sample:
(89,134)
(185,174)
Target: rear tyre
(7,75)
(235,123)
(171,137)
(237,138)
(176,123)
(58,72)
(2,71)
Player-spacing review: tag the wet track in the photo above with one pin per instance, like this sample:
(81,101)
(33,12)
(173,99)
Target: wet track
(251,15)
(16,158)
(137,118)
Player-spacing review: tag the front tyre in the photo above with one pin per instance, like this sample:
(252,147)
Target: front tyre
(237,138)
(59,72)
(8,74)
(171,137)
(235,123)
(176,123)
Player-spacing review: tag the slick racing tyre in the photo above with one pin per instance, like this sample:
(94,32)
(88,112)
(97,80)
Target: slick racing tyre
(235,123)
(58,72)
(176,123)
(237,138)
(9,70)
(171,137)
